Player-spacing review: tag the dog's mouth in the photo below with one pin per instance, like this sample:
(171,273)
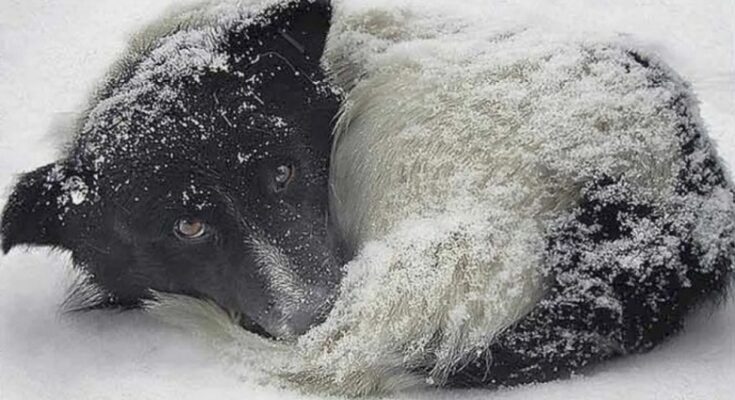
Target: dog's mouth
(250,325)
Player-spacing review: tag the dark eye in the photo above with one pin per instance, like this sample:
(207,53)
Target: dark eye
(283,176)
(190,228)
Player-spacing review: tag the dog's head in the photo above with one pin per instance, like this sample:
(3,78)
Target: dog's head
(202,169)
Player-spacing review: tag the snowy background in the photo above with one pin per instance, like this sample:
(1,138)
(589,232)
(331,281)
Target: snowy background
(51,54)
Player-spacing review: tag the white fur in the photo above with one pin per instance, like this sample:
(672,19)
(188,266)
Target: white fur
(459,144)
(285,284)
(279,271)
(477,141)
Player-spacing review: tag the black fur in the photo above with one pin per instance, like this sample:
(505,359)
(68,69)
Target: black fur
(205,146)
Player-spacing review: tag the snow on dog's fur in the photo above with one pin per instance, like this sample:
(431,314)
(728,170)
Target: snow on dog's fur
(201,167)
(474,171)
(518,203)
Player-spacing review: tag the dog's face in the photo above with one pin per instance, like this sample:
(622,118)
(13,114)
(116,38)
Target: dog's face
(211,183)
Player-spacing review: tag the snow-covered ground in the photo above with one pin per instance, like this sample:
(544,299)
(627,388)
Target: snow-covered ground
(51,53)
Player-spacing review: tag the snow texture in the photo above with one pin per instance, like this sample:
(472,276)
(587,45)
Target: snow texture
(44,355)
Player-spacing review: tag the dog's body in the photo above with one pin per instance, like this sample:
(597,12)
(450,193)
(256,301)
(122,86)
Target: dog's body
(516,205)
(522,204)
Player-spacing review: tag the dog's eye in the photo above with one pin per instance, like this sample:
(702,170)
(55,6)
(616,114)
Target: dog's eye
(283,176)
(190,228)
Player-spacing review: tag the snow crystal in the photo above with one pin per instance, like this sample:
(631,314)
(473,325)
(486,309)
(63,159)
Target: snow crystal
(76,189)
(243,158)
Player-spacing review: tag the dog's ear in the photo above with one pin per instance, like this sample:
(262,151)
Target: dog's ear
(295,30)
(41,208)
(304,24)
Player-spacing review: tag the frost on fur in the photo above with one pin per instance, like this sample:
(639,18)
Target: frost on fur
(521,204)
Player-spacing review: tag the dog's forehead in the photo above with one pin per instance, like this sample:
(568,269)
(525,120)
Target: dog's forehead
(219,140)
(188,93)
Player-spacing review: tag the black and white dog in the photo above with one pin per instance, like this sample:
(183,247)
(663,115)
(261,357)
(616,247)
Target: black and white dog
(516,205)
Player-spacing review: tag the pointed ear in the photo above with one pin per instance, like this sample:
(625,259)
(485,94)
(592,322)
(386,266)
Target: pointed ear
(304,24)
(40,209)
(295,30)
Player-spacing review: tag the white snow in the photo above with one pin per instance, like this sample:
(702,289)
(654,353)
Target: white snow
(51,55)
